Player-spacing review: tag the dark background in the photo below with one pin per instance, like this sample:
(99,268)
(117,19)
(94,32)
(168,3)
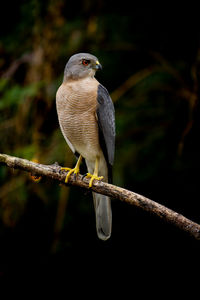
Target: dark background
(151,67)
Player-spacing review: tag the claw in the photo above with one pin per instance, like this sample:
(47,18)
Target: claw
(70,171)
(65,169)
(74,170)
(93,177)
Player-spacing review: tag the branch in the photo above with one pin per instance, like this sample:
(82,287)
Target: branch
(54,172)
(26,58)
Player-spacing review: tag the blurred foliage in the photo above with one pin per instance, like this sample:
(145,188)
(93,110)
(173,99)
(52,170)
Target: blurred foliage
(151,69)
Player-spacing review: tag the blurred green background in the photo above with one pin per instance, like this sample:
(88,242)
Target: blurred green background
(151,67)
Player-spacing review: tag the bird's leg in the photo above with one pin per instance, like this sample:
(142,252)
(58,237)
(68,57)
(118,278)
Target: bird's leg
(95,175)
(74,170)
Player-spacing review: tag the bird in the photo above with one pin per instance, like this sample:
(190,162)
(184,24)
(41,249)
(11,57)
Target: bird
(86,117)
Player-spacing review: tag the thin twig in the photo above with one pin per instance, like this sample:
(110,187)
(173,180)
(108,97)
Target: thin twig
(25,58)
(54,172)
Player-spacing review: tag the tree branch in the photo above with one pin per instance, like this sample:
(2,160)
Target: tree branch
(54,172)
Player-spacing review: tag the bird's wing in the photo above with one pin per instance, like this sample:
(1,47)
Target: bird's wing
(106,123)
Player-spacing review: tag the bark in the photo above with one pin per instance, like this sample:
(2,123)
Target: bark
(54,172)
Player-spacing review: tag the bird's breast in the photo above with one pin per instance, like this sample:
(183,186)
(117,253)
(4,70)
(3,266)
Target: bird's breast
(76,107)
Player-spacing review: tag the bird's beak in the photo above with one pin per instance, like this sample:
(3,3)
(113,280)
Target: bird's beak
(98,66)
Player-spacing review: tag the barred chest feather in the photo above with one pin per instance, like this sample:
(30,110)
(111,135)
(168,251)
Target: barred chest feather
(76,103)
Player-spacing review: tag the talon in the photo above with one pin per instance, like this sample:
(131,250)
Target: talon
(74,170)
(93,177)
(70,171)
(65,169)
(84,175)
(68,174)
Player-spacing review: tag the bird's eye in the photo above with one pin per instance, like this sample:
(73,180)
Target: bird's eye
(85,62)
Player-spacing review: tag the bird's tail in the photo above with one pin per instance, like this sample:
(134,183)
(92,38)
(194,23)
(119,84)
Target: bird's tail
(102,204)
(103,212)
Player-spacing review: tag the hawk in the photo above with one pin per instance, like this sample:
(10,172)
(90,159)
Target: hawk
(87,120)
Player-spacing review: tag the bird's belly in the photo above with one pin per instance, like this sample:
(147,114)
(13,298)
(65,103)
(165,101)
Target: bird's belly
(82,131)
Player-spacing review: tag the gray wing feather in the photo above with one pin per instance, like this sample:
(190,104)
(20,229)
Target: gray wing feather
(106,123)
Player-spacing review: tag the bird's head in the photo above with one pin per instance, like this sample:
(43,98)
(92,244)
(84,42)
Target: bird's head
(81,65)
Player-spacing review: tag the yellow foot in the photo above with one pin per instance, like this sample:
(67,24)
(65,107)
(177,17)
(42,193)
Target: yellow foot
(93,177)
(74,170)
(70,171)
